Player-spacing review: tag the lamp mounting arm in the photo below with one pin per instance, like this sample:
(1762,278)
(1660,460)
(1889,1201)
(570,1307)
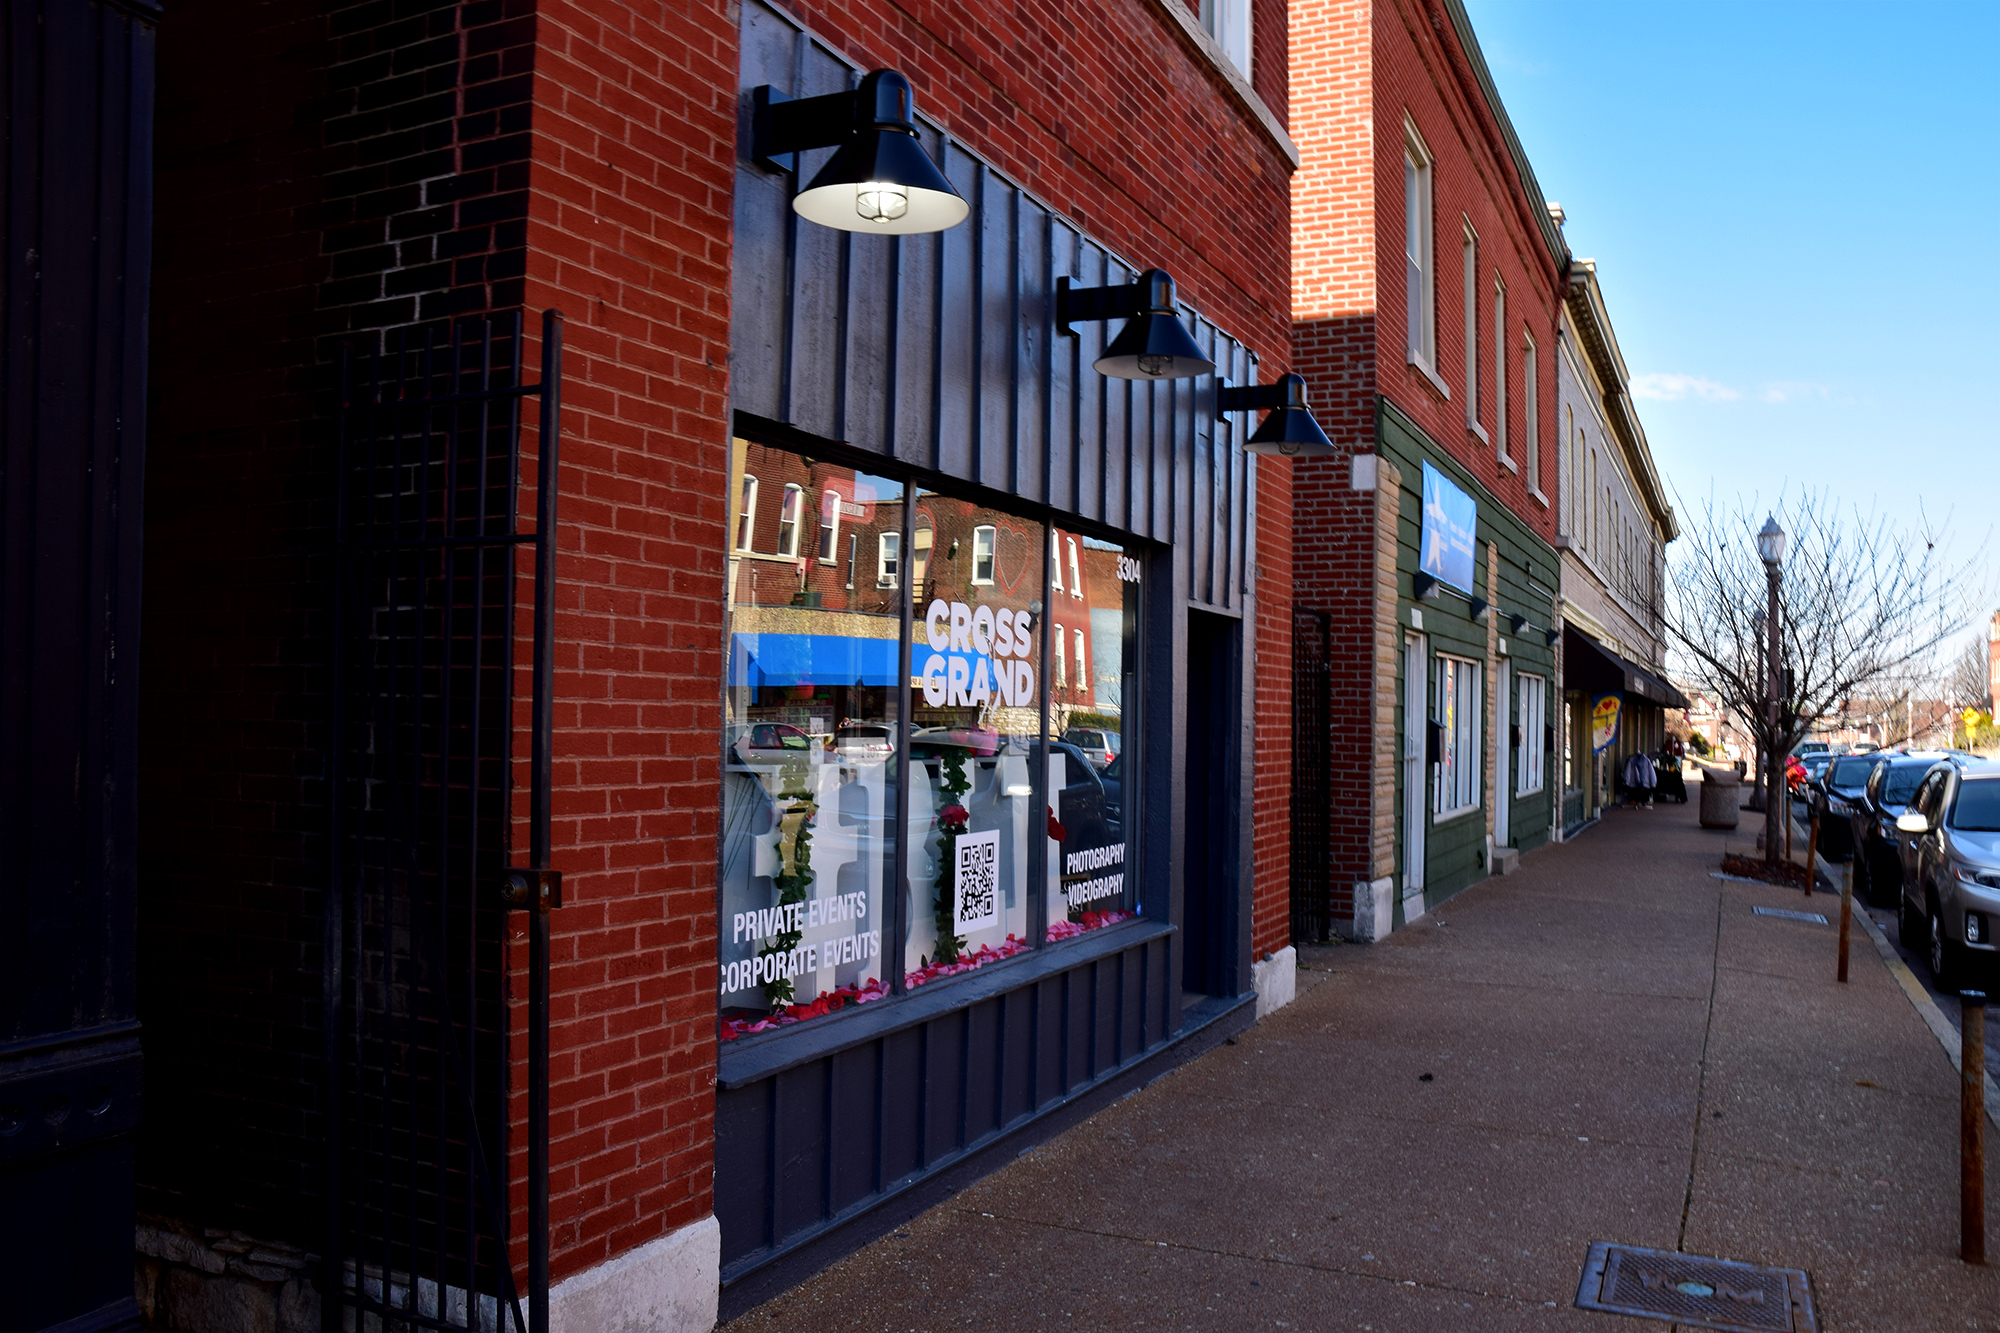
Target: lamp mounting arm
(1287,391)
(1153,291)
(782,127)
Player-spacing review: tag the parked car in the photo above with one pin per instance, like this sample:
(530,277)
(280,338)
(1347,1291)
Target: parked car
(1950,902)
(1878,849)
(864,740)
(1804,748)
(1098,745)
(1082,806)
(1840,790)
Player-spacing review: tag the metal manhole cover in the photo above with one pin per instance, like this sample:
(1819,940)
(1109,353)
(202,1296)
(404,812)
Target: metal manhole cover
(1788,914)
(1704,1293)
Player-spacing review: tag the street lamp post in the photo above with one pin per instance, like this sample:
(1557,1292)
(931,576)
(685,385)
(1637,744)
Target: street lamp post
(1771,550)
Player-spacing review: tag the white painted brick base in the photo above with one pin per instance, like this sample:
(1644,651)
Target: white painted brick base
(669,1285)
(1275,979)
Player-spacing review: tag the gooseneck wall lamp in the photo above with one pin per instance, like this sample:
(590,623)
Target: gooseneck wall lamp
(880,179)
(1290,430)
(1153,345)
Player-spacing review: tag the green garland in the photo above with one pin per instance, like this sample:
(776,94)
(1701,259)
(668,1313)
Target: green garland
(791,888)
(949,942)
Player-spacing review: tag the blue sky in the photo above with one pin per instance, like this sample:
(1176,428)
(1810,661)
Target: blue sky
(1794,209)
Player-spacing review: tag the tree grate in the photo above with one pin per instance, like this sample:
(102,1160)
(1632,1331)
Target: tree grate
(1692,1290)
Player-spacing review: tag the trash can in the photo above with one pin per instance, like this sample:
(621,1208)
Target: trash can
(1721,798)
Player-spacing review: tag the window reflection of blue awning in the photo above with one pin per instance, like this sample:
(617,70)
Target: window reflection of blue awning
(810,659)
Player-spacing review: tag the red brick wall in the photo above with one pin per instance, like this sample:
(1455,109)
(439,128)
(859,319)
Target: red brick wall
(1359,66)
(629,216)
(1421,73)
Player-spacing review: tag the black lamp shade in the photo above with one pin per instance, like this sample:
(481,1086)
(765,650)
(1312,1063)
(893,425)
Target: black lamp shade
(881,180)
(1291,432)
(1153,345)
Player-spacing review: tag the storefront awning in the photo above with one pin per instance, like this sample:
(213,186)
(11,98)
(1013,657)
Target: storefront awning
(1590,667)
(810,659)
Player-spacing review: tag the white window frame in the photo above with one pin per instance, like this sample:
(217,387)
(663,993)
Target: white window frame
(1461,708)
(1531,757)
(1531,411)
(888,559)
(853,557)
(1229,23)
(1055,560)
(1472,332)
(985,534)
(1419,277)
(1500,372)
(746,514)
(789,514)
(922,541)
(1075,573)
(1082,662)
(829,527)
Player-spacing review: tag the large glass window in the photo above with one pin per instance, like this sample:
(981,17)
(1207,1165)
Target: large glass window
(1004,841)
(811,707)
(1090,759)
(975,717)
(1458,704)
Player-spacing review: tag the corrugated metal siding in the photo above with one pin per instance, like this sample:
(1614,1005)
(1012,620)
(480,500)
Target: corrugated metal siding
(940,351)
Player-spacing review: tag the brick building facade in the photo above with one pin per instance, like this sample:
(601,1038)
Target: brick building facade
(349,180)
(1427,276)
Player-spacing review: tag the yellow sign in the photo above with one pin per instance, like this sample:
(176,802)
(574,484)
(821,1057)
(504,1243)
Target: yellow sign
(1604,721)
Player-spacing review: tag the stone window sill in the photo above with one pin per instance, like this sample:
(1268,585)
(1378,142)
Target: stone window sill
(1238,84)
(1432,376)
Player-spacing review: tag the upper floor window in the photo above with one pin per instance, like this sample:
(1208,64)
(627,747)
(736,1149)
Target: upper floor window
(1082,665)
(920,556)
(1055,563)
(788,520)
(829,526)
(746,512)
(1531,413)
(888,558)
(1471,329)
(1419,301)
(982,555)
(1228,21)
(853,555)
(1500,369)
(1075,577)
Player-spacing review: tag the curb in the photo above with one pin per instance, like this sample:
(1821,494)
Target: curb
(1920,1000)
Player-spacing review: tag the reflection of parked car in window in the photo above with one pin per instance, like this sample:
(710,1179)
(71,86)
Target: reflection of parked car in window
(769,742)
(1950,901)
(864,740)
(1098,745)
(1113,778)
(930,742)
(1083,807)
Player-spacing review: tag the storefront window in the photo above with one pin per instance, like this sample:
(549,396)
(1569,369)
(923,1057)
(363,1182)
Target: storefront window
(1003,841)
(811,709)
(1099,623)
(1458,694)
(975,718)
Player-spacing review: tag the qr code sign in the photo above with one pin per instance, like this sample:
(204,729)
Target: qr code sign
(976,879)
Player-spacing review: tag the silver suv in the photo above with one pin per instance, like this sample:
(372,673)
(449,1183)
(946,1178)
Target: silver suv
(1950,902)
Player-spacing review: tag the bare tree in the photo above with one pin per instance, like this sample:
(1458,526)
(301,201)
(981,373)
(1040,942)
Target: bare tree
(1967,685)
(1862,610)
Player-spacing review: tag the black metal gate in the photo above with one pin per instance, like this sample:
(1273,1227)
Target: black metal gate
(438,571)
(1312,775)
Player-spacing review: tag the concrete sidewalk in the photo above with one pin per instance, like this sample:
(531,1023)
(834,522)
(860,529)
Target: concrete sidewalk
(1606,1046)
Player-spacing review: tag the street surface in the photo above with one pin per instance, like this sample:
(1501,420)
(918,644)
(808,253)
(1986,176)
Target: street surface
(1606,1046)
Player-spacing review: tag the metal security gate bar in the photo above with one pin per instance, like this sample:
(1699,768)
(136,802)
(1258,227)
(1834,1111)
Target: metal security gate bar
(434,556)
(1312,776)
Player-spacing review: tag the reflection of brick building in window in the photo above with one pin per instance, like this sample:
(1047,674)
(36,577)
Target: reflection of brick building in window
(839,549)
